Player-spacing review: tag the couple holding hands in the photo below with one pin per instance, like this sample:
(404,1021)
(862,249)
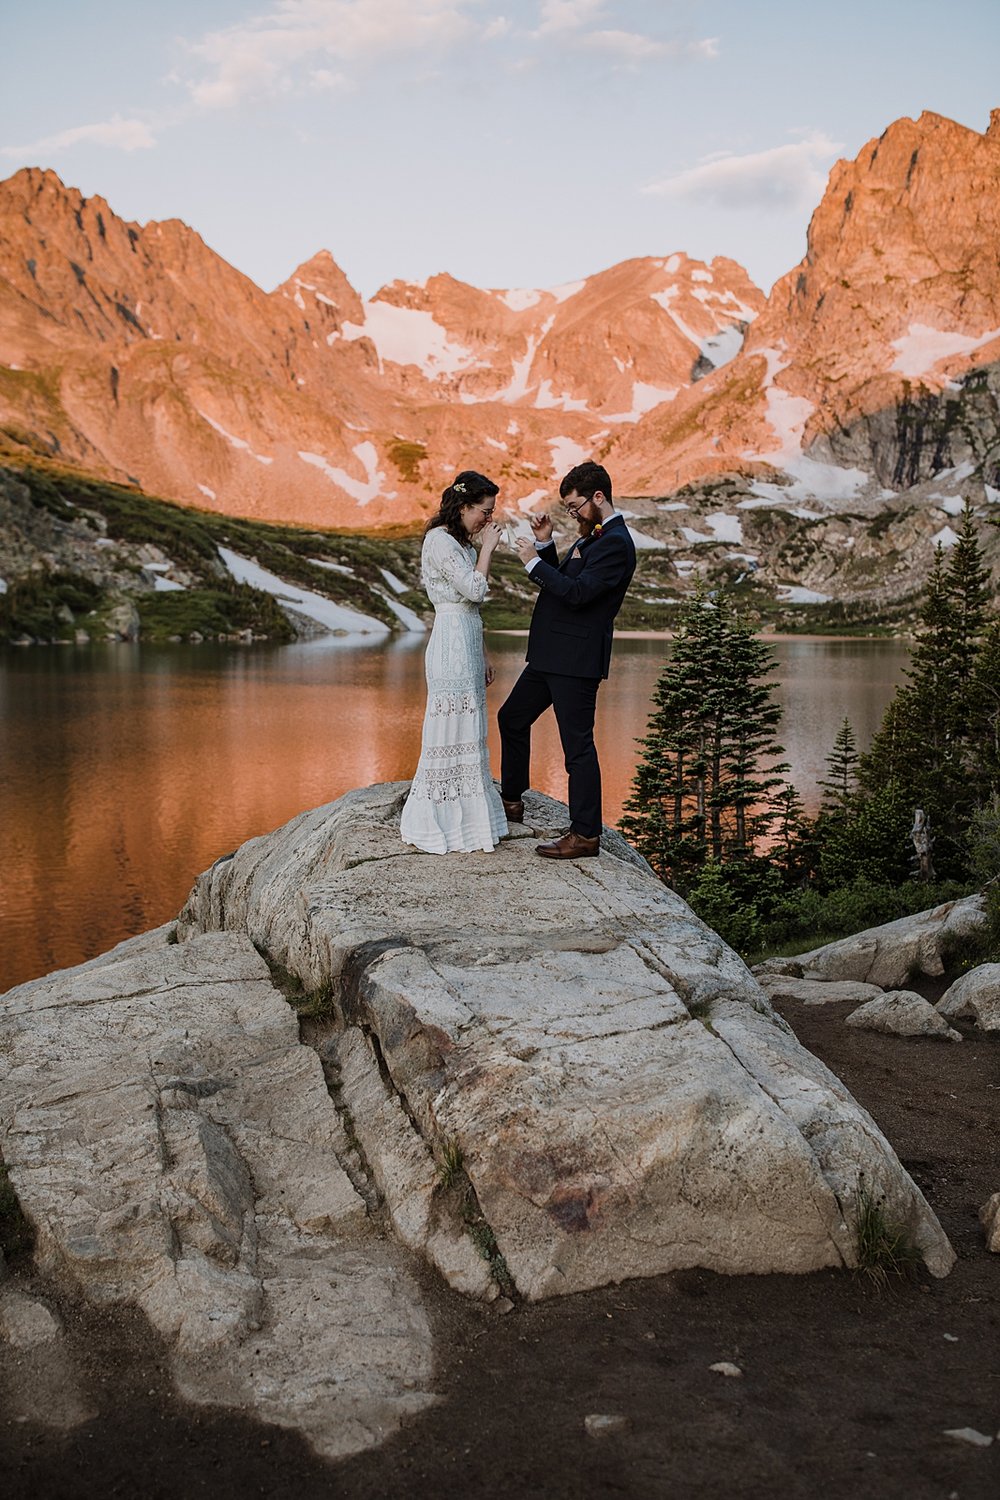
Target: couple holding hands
(453,804)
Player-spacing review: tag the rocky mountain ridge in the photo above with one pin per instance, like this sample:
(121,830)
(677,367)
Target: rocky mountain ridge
(138,353)
(856,408)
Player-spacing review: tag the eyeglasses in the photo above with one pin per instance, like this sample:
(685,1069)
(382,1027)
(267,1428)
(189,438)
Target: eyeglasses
(574,510)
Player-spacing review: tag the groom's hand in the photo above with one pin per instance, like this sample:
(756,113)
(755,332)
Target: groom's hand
(541,525)
(526,548)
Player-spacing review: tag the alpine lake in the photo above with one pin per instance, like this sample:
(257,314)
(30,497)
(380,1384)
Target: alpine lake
(125,770)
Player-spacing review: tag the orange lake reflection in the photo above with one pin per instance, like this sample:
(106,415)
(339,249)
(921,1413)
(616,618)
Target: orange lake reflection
(126,770)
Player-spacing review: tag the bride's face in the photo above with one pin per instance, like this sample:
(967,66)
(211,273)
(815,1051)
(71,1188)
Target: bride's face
(475,516)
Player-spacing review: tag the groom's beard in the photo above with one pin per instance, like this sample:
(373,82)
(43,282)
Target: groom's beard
(584,528)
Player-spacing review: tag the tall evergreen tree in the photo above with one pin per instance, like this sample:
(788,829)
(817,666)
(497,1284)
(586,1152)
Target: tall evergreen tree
(923,755)
(841,770)
(707,777)
(969,588)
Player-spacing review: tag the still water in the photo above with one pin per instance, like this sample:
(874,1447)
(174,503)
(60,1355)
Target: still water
(126,770)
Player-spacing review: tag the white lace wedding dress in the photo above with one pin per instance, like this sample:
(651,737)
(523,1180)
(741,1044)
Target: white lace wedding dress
(453,803)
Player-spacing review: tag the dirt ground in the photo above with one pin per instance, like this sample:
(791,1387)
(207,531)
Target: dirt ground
(846,1391)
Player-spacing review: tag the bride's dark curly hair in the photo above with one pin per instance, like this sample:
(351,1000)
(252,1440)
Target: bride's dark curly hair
(465,489)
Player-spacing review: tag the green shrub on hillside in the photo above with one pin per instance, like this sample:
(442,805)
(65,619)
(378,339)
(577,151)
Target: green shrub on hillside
(32,604)
(211,612)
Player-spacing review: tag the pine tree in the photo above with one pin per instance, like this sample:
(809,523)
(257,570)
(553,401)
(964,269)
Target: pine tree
(707,777)
(794,847)
(924,754)
(969,588)
(984,718)
(842,770)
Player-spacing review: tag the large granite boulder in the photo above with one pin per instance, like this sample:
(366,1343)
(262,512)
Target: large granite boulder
(893,954)
(975,994)
(600,1076)
(781,987)
(902,1013)
(175,1146)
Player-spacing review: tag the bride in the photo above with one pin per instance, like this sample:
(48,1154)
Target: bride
(453,803)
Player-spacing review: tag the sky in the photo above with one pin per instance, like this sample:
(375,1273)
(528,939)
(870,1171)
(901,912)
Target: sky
(512,143)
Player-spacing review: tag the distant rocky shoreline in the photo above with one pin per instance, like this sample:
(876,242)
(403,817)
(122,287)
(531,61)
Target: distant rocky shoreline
(85,561)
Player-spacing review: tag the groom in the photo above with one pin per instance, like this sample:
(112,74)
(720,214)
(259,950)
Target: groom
(569,652)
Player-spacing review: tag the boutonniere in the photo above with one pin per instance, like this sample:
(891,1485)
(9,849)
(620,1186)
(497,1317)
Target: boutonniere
(597,529)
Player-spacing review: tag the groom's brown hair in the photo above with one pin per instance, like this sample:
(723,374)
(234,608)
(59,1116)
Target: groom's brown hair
(586,479)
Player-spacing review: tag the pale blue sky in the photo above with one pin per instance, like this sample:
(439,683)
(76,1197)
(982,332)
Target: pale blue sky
(524,143)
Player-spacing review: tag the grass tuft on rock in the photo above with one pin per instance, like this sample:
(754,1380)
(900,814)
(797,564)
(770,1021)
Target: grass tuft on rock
(452,1164)
(884,1249)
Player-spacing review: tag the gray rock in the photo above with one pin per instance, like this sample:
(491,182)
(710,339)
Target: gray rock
(404,1170)
(890,955)
(969,1435)
(39,1381)
(24,1321)
(786,968)
(989,1217)
(902,1013)
(817,991)
(725,1367)
(623,1097)
(122,621)
(605,1424)
(975,995)
(176,1146)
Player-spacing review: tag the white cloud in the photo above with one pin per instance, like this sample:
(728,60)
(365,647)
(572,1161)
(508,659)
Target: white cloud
(125,135)
(496,28)
(568,21)
(325,78)
(567,15)
(259,56)
(792,176)
(628,45)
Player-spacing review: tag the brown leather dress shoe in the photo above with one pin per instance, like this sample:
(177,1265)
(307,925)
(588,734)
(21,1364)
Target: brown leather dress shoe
(513,811)
(570,846)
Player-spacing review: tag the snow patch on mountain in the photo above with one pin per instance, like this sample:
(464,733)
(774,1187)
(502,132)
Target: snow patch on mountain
(519,298)
(724,527)
(546,398)
(336,617)
(566,454)
(360,490)
(922,347)
(567,290)
(787,416)
(234,442)
(410,336)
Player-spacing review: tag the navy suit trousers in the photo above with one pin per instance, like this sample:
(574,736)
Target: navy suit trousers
(574,700)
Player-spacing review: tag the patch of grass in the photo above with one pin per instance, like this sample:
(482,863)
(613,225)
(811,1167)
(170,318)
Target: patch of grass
(484,1239)
(317,1005)
(407,456)
(35,604)
(218,611)
(17,1238)
(451,1167)
(883,1249)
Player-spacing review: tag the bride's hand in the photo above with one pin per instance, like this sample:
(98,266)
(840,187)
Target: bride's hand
(490,536)
(490,673)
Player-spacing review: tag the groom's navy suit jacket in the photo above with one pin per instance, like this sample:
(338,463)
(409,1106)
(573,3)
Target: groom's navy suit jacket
(573,620)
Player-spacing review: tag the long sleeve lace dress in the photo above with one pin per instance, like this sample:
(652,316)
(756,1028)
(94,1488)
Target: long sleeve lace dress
(453,803)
